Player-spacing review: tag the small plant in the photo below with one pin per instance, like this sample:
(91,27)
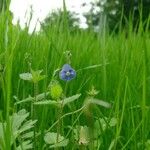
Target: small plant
(21,131)
(55,136)
(82,133)
(33,76)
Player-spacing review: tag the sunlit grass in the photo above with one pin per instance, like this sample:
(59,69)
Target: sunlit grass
(117,65)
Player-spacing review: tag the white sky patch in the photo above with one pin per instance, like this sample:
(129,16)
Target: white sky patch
(41,8)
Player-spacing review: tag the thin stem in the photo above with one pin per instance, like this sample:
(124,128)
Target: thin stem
(59,124)
(32,109)
(60,113)
(55,123)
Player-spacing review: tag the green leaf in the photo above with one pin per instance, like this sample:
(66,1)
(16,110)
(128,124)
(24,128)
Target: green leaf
(60,144)
(2,135)
(70,99)
(42,96)
(47,102)
(102,124)
(29,99)
(36,75)
(25,145)
(1,130)
(58,103)
(113,122)
(27,135)
(18,119)
(99,127)
(112,144)
(26,76)
(51,138)
(27,125)
(21,128)
(84,136)
(81,134)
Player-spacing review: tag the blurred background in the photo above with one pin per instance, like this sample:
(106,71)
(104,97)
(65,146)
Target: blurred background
(83,14)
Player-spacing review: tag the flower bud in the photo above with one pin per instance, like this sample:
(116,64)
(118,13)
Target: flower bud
(55,90)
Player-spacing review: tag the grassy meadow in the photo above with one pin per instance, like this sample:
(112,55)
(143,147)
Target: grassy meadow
(105,107)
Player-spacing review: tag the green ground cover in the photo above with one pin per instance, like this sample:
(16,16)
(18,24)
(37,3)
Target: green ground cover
(40,111)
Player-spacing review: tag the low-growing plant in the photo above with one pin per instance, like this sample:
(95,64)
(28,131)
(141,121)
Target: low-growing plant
(21,131)
(23,128)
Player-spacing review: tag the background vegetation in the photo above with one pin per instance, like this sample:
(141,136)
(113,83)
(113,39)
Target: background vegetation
(117,65)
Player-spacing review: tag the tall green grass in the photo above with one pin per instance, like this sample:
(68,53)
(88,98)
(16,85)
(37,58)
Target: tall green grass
(121,75)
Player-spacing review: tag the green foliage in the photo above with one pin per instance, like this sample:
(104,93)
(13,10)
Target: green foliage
(116,64)
(20,131)
(34,76)
(59,103)
(83,136)
(51,139)
(55,90)
(26,76)
(147,145)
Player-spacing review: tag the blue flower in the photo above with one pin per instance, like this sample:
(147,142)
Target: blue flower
(67,73)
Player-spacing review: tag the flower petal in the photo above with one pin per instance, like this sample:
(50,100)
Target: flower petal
(63,74)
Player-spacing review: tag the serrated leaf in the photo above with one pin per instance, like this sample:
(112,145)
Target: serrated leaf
(22,112)
(47,102)
(19,128)
(29,99)
(27,135)
(18,119)
(25,145)
(58,103)
(27,125)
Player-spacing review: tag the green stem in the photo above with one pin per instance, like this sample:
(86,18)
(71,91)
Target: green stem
(2,82)
(70,113)
(32,111)
(60,113)
(58,127)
